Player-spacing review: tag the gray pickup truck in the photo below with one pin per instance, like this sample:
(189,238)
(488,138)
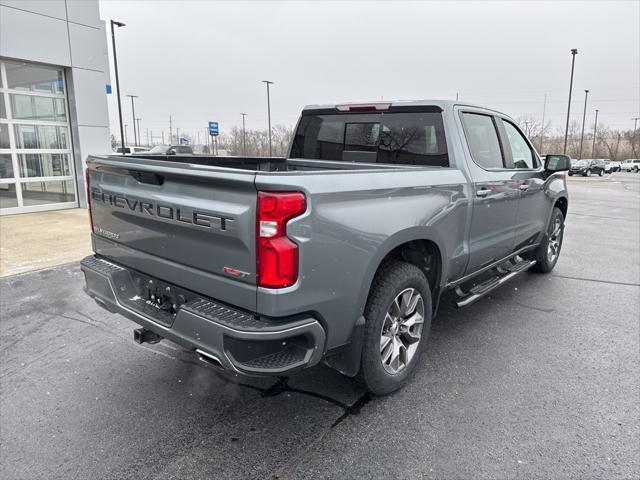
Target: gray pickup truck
(339,253)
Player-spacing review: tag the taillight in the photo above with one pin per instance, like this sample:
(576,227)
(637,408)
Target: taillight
(363,107)
(277,255)
(87,178)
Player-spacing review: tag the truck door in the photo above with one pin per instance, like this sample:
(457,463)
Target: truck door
(494,189)
(534,205)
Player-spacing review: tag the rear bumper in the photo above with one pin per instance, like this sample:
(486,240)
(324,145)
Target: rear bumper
(239,341)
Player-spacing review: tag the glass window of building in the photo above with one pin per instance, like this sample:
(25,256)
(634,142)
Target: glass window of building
(36,161)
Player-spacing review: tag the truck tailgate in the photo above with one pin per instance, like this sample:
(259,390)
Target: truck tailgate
(190,223)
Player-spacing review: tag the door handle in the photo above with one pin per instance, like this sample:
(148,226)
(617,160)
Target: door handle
(483,193)
(524,187)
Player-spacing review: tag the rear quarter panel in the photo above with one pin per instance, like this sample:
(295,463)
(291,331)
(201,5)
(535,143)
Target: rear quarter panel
(352,221)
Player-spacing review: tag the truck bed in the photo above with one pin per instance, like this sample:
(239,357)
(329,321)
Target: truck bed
(261,164)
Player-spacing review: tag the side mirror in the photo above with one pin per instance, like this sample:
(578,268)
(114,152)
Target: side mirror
(557,163)
(171,152)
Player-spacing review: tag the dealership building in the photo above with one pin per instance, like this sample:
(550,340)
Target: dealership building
(54,77)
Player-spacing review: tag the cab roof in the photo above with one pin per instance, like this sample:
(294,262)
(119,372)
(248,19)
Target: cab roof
(382,105)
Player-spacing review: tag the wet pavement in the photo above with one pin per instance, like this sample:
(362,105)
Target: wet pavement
(540,380)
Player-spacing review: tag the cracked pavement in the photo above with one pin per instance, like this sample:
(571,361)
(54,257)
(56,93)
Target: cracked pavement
(539,380)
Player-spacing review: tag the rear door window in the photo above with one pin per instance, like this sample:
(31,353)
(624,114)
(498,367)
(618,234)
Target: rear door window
(408,138)
(482,138)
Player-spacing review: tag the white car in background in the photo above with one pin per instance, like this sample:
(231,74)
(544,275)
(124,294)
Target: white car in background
(615,166)
(631,165)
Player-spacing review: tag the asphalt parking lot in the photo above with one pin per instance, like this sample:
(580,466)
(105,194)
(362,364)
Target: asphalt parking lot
(538,381)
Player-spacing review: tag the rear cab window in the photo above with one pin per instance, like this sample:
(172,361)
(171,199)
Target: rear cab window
(406,138)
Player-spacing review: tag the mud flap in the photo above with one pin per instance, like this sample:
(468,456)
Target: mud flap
(347,360)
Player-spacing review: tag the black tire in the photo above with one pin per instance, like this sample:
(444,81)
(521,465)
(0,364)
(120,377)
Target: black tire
(601,173)
(635,170)
(571,174)
(544,263)
(588,173)
(392,279)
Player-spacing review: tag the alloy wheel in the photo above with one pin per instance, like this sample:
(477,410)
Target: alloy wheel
(553,247)
(401,330)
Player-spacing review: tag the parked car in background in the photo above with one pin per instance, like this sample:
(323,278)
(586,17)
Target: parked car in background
(631,165)
(607,167)
(616,166)
(587,168)
(130,150)
(171,150)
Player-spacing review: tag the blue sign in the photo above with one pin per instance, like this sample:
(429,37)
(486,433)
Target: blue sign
(213,128)
(107,89)
(184,141)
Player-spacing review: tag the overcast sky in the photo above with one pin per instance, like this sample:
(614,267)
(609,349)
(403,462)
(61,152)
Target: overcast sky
(204,60)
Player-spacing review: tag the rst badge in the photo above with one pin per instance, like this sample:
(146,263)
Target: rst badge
(107,233)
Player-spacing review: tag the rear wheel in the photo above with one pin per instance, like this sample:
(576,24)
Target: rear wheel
(600,173)
(398,320)
(588,174)
(548,252)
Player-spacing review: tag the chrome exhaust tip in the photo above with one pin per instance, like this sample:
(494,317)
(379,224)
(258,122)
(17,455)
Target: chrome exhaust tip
(209,359)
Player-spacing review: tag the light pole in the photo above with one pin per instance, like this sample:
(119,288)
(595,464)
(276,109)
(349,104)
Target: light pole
(269,113)
(574,52)
(133,115)
(139,135)
(584,115)
(126,140)
(115,65)
(544,110)
(244,136)
(633,137)
(595,131)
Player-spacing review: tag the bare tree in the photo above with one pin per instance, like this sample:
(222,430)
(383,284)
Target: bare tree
(535,131)
(609,141)
(257,141)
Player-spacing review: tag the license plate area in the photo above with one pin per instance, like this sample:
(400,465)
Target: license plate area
(152,298)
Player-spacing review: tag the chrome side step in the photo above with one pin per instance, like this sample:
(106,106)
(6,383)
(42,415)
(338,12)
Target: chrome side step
(482,289)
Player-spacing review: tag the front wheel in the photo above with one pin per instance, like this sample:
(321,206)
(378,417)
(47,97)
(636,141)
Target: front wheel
(398,320)
(548,251)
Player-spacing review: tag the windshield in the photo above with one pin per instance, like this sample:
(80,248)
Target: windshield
(581,163)
(159,149)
